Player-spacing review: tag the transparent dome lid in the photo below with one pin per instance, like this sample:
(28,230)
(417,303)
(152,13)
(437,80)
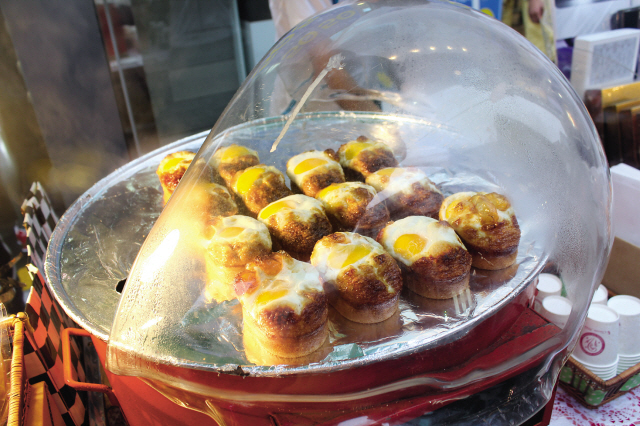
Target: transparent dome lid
(388,177)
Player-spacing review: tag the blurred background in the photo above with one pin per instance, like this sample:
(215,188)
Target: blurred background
(87,86)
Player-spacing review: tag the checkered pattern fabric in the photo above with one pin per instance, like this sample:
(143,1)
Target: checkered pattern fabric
(39,221)
(43,349)
(43,354)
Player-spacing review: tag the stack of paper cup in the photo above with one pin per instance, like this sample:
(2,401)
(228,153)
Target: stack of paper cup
(601,295)
(628,308)
(556,309)
(548,285)
(597,347)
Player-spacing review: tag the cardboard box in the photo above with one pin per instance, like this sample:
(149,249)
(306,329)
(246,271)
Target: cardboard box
(623,271)
(626,203)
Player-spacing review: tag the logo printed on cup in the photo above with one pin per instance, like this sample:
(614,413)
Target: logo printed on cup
(592,344)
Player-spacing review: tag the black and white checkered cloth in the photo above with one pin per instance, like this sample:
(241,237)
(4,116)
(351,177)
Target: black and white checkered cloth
(42,349)
(39,221)
(43,354)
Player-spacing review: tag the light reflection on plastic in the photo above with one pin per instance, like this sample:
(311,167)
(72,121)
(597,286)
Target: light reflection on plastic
(571,119)
(151,323)
(160,256)
(358,421)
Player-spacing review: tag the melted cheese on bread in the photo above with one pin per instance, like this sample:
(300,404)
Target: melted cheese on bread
(365,156)
(303,166)
(343,250)
(280,281)
(395,180)
(414,237)
(355,148)
(294,207)
(475,210)
(175,160)
(171,169)
(336,196)
(247,179)
(236,240)
(229,154)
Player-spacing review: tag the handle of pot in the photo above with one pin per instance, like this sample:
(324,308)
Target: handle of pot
(67,368)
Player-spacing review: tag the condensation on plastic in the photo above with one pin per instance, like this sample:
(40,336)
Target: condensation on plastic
(461,96)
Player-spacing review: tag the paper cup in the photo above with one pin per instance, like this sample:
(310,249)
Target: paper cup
(628,308)
(556,309)
(600,296)
(635,359)
(598,341)
(605,372)
(548,285)
(627,362)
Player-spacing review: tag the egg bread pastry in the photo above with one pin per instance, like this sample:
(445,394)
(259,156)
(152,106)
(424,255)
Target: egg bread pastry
(349,207)
(407,192)
(257,186)
(488,226)
(210,200)
(363,156)
(312,171)
(228,160)
(362,281)
(433,260)
(230,243)
(283,305)
(171,169)
(296,223)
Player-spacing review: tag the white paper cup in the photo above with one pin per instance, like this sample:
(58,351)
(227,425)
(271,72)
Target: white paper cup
(628,362)
(598,341)
(548,285)
(556,309)
(628,308)
(605,372)
(608,375)
(631,359)
(596,367)
(600,296)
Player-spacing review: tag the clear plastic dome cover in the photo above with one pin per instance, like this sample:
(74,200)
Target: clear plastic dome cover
(454,96)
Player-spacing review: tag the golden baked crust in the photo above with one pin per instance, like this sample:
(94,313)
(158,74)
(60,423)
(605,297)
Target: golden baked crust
(312,171)
(362,281)
(349,208)
(433,260)
(171,169)
(439,277)
(296,223)
(363,156)
(407,191)
(227,249)
(232,242)
(488,226)
(212,200)
(229,160)
(258,354)
(283,304)
(258,186)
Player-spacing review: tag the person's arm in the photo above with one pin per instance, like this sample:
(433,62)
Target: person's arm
(536,9)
